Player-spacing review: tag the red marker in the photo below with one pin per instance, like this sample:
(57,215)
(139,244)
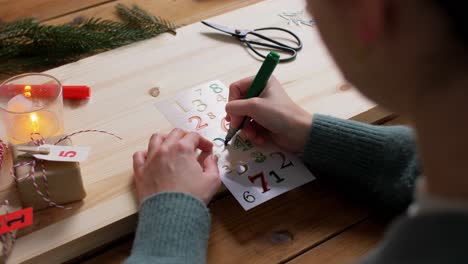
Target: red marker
(46,90)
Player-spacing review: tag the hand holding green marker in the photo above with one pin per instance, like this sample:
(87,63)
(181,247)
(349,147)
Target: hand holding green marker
(256,88)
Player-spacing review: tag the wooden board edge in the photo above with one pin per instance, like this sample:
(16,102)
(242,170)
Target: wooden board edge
(87,243)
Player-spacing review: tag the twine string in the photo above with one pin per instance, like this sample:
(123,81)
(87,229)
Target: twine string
(87,131)
(32,173)
(3,148)
(38,140)
(3,237)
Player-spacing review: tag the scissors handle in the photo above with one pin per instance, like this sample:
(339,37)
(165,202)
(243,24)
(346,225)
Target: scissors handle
(299,42)
(291,52)
(272,43)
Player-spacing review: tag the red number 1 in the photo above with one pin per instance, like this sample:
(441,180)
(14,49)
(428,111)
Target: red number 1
(263,180)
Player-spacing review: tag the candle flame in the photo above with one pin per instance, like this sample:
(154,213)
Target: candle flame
(34,122)
(27,91)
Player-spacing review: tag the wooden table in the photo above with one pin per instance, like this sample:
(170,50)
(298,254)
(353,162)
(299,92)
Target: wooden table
(278,231)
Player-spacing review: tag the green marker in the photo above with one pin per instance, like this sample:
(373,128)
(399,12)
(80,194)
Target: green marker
(258,84)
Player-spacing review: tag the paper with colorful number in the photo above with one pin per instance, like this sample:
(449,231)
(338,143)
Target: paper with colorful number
(64,153)
(252,174)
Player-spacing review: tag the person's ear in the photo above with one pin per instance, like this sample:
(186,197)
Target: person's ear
(371,21)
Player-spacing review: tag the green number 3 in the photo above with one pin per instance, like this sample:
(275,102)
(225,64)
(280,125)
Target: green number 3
(258,156)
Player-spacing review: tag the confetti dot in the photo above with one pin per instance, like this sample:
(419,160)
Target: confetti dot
(154,91)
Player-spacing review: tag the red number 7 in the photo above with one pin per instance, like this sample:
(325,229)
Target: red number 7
(262,179)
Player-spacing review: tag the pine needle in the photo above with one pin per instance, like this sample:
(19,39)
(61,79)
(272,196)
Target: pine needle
(27,45)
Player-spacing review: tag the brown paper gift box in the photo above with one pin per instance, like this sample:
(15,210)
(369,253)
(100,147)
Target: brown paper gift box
(64,180)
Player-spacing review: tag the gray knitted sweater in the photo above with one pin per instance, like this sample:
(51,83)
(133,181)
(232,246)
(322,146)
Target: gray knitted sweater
(379,164)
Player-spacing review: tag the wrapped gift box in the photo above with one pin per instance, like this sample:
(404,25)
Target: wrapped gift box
(64,180)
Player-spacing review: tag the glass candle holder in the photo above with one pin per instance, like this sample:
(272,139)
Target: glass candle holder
(31,104)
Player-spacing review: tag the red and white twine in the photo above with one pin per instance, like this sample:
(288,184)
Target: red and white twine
(4,237)
(38,142)
(3,148)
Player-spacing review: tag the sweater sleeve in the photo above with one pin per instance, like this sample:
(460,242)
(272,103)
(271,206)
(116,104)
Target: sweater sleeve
(375,163)
(172,228)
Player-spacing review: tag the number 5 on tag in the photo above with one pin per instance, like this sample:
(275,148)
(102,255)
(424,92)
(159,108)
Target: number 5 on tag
(64,153)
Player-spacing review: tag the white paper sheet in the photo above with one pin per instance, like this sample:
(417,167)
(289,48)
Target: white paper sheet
(252,174)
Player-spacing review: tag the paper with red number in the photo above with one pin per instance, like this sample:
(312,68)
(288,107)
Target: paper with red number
(16,220)
(252,174)
(64,153)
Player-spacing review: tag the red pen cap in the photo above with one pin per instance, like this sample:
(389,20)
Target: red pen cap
(76,92)
(47,90)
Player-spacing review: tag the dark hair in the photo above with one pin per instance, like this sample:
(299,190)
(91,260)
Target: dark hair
(456,13)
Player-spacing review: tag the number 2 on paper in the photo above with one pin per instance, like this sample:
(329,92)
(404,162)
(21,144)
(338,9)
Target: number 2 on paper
(285,163)
(199,122)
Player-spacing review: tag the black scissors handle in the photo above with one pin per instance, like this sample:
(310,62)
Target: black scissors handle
(293,54)
(272,43)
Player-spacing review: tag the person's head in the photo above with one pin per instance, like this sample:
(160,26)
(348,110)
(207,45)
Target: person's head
(395,51)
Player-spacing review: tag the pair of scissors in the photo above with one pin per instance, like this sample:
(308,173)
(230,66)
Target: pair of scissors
(268,43)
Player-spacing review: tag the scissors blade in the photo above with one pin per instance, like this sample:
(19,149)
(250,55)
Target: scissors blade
(222,28)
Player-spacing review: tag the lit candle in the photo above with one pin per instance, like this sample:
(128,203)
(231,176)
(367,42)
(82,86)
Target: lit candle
(25,122)
(34,123)
(32,107)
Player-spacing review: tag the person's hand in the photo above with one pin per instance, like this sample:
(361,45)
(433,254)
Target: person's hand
(274,115)
(170,165)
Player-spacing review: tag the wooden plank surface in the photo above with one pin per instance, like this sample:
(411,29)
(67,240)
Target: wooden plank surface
(181,12)
(273,232)
(176,11)
(120,81)
(43,9)
(347,247)
(278,230)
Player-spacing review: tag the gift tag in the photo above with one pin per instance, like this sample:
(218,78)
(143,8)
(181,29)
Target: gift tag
(64,153)
(16,220)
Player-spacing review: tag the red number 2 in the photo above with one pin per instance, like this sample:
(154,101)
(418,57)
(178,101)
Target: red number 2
(67,154)
(263,180)
(199,122)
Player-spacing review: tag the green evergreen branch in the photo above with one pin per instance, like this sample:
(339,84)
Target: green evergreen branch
(27,45)
(139,18)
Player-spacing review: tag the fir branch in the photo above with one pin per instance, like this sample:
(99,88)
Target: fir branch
(138,18)
(26,45)
(15,29)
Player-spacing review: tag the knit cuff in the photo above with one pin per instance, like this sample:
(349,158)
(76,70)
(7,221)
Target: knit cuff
(343,143)
(376,163)
(173,225)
